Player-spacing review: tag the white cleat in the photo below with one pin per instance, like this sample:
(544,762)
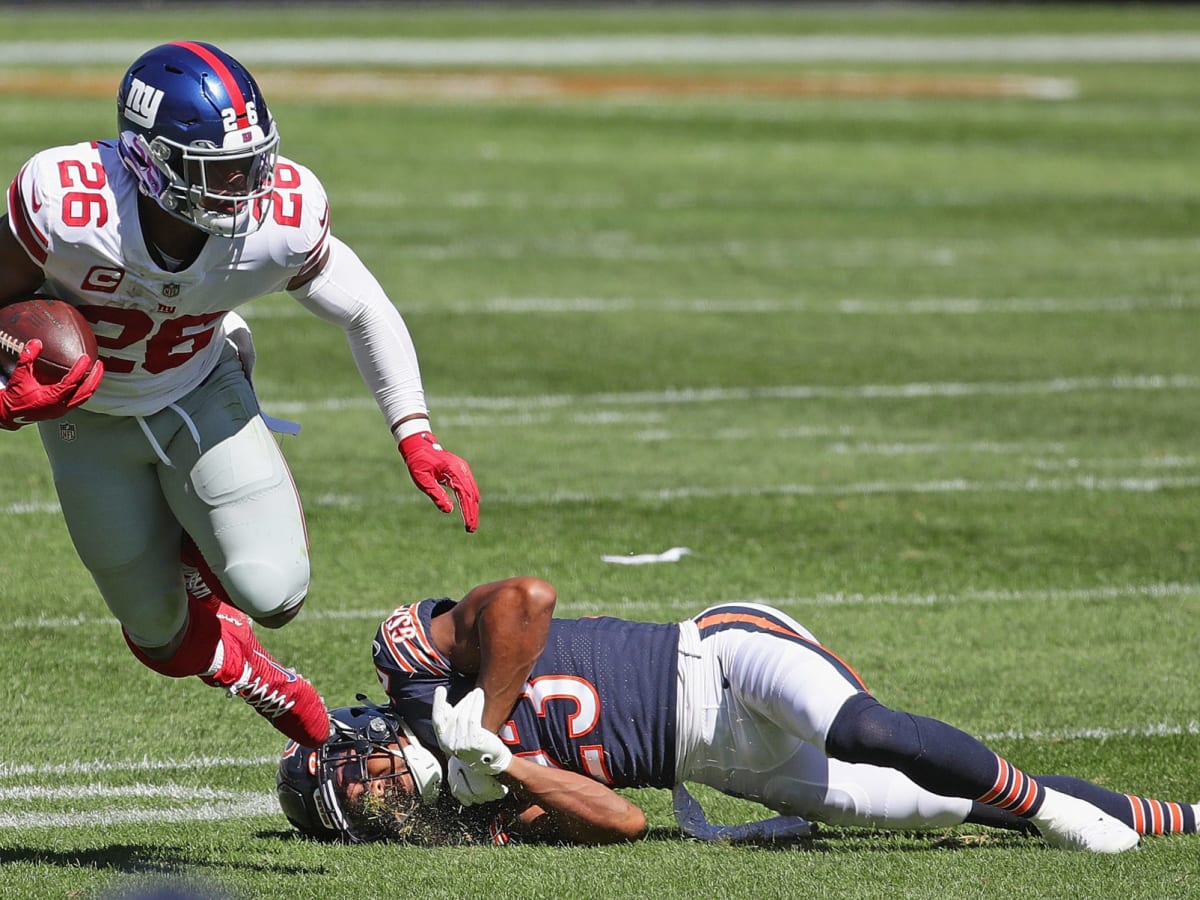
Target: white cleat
(1072,824)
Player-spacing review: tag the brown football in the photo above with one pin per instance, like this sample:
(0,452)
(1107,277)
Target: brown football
(62,329)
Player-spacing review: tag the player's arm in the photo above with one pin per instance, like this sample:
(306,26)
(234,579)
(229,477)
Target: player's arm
(23,398)
(340,289)
(498,630)
(568,807)
(20,276)
(558,804)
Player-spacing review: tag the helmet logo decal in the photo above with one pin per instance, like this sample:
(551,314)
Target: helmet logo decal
(141,103)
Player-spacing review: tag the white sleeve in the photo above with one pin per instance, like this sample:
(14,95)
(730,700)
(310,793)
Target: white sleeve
(349,296)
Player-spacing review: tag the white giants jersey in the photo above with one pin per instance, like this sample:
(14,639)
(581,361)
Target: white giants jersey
(74,210)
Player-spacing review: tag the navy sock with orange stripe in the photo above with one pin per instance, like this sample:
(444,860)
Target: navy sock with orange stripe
(937,756)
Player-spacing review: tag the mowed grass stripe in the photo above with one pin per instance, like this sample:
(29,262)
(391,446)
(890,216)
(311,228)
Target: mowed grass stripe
(676,396)
(571,50)
(1137,484)
(752,306)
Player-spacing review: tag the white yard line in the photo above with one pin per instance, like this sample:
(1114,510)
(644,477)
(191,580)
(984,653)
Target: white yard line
(253,806)
(1117,484)
(1083,483)
(169,791)
(685,606)
(685,396)
(145,764)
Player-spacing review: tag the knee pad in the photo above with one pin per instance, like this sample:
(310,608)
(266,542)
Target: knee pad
(866,731)
(263,590)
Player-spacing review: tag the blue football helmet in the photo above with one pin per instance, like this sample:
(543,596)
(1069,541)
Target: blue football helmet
(196,133)
(299,793)
(364,783)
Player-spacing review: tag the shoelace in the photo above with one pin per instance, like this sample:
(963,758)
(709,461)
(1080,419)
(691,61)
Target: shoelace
(268,701)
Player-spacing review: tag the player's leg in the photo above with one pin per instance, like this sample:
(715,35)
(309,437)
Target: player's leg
(1145,815)
(127,537)
(230,487)
(946,760)
(859,794)
(839,793)
(777,670)
(198,578)
(119,522)
(730,736)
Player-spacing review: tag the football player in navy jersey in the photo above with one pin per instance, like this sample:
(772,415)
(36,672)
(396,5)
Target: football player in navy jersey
(540,719)
(177,498)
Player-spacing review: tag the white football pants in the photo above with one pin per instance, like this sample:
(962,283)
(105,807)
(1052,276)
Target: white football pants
(754,709)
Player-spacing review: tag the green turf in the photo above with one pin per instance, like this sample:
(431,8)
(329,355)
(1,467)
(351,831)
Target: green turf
(921,371)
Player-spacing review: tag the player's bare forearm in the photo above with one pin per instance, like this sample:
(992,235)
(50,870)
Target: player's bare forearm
(570,807)
(497,631)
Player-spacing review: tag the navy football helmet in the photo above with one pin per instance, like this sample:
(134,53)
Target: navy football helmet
(196,133)
(299,793)
(364,783)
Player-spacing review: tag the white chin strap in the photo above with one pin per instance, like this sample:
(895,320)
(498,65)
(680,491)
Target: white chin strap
(422,765)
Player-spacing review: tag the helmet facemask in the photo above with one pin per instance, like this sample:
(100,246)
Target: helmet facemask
(223,191)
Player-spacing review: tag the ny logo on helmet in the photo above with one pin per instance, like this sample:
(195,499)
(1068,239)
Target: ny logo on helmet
(141,103)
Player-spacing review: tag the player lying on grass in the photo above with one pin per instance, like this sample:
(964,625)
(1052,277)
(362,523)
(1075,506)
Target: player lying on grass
(550,715)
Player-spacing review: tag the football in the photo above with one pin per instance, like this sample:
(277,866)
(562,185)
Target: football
(62,329)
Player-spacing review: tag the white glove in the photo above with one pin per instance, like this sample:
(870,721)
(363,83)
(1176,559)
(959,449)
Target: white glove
(459,729)
(470,788)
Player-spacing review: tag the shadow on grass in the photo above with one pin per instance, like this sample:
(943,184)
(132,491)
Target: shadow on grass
(830,840)
(140,859)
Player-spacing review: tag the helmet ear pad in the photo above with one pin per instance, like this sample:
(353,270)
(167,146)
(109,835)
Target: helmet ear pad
(425,768)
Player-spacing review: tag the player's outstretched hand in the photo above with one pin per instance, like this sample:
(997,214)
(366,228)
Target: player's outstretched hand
(460,732)
(431,466)
(25,400)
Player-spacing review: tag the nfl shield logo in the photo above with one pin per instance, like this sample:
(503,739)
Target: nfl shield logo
(66,432)
(170,290)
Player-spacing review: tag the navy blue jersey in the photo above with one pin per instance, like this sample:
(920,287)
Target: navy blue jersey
(600,699)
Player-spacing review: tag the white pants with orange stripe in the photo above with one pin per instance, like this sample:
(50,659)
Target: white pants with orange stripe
(757,694)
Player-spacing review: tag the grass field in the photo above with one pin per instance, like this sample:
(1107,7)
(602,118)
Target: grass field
(900,339)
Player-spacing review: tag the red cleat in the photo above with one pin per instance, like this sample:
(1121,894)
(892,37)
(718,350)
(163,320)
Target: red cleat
(281,696)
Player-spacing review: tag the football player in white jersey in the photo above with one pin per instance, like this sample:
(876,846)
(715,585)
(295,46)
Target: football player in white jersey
(156,236)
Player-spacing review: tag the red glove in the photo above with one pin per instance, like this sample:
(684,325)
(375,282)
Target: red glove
(432,466)
(25,399)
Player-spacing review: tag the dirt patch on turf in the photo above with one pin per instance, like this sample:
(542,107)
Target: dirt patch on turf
(383,87)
